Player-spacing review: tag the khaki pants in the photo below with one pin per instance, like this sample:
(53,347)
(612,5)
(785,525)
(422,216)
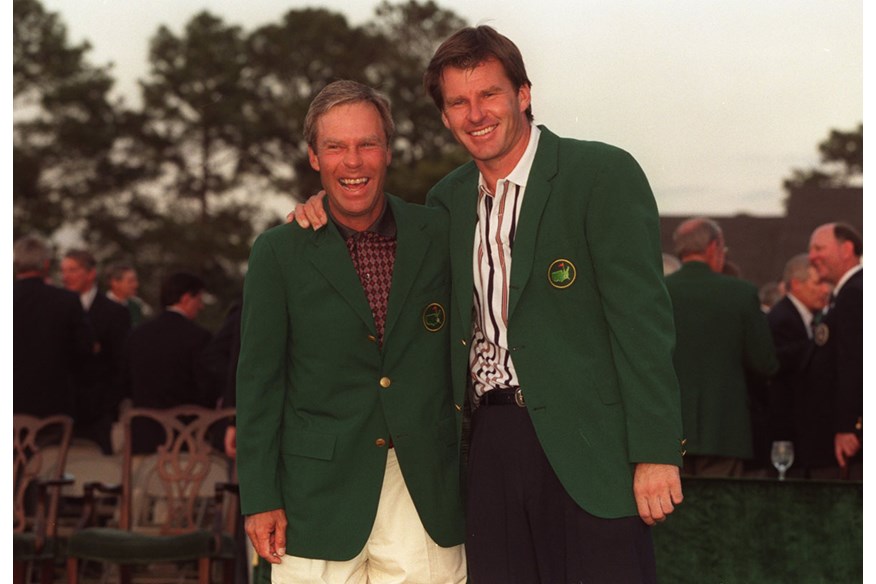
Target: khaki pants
(398,550)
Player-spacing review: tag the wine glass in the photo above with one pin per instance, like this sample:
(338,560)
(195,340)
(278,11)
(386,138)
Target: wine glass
(782,456)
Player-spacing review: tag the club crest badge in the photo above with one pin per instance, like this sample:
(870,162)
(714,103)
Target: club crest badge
(561,273)
(434,317)
(821,334)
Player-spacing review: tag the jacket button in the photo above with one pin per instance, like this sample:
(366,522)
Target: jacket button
(385,382)
(458,407)
(380,442)
(464,343)
(372,338)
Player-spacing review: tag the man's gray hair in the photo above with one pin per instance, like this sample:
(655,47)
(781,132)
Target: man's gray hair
(694,236)
(346,92)
(797,268)
(30,254)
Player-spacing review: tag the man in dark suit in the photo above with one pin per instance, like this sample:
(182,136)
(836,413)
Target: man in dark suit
(122,281)
(164,356)
(101,389)
(576,433)
(800,402)
(346,429)
(51,338)
(835,250)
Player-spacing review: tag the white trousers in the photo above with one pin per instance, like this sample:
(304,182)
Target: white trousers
(399,550)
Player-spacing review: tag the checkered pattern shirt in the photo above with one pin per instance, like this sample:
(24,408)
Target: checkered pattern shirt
(373,254)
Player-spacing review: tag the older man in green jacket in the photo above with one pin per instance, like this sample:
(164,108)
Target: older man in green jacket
(346,431)
(721,334)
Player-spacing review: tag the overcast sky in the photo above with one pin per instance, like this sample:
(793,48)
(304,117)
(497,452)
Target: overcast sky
(718,100)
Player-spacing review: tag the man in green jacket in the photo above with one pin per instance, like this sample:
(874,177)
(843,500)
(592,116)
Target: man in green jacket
(722,334)
(564,345)
(346,430)
(566,353)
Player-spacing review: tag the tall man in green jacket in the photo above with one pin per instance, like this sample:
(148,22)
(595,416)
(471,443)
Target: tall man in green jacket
(565,344)
(722,334)
(346,431)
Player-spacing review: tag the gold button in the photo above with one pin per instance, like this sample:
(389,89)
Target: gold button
(458,407)
(385,382)
(380,442)
(372,338)
(464,344)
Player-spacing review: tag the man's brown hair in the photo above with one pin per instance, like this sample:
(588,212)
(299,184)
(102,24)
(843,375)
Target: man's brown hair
(470,47)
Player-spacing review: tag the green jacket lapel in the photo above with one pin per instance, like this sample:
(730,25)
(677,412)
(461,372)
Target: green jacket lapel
(331,258)
(463,222)
(538,189)
(410,251)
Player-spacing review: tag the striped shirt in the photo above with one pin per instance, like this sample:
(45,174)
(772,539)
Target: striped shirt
(490,363)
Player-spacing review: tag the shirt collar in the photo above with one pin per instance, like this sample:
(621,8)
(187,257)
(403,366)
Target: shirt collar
(87,298)
(805,313)
(384,225)
(520,174)
(115,298)
(846,278)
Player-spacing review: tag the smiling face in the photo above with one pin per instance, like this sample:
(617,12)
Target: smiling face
(351,156)
(126,285)
(487,116)
(830,257)
(76,277)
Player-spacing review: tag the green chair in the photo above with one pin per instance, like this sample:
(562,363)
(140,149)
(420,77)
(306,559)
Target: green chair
(38,455)
(172,509)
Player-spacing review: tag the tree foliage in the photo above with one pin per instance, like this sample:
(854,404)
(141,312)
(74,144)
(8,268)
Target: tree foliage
(196,108)
(65,126)
(842,162)
(185,180)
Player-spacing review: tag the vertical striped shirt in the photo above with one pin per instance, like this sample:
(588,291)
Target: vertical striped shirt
(490,361)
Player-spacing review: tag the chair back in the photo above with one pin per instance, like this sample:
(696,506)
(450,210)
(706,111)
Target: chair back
(172,490)
(39,452)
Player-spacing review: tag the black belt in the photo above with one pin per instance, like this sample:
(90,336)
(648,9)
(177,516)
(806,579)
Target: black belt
(503,397)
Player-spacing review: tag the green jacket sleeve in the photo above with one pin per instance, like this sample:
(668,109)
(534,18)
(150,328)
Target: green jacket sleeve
(261,380)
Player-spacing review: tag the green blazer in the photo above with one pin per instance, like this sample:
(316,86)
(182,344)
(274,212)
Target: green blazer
(318,400)
(590,323)
(722,334)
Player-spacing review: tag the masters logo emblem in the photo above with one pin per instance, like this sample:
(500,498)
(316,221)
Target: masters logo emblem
(561,274)
(434,317)
(821,334)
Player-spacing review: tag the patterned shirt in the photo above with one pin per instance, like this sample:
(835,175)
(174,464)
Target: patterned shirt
(373,254)
(490,363)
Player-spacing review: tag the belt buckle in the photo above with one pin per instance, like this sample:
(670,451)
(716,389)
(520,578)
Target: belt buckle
(518,398)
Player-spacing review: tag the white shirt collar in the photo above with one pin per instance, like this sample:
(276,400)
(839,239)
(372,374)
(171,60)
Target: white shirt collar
(805,313)
(115,298)
(87,298)
(845,278)
(520,174)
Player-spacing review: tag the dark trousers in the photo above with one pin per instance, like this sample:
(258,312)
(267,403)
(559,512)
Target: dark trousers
(522,526)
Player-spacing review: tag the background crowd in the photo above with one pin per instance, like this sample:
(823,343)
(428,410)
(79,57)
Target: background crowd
(754,365)
(783,363)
